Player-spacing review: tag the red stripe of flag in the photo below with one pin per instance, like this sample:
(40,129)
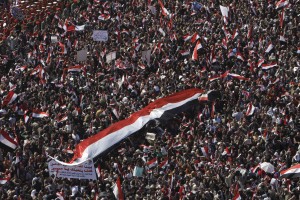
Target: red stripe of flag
(7,140)
(10,97)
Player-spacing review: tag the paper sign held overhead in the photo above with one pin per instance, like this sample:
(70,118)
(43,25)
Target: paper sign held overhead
(100,35)
(110,56)
(146,56)
(82,55)
(224,11)
(53,39)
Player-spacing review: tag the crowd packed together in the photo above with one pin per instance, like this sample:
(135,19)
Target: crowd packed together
(246,51)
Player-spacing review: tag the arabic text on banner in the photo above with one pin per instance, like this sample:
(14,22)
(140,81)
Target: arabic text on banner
(85,170)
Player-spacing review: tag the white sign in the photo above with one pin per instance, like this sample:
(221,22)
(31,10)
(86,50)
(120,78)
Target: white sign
(85,170)
(100,35)
(152,9)
(150,136)
(162,32)
(79,28)
(82,55)
(146,56)
(224,11)
(111,56)
(54,39)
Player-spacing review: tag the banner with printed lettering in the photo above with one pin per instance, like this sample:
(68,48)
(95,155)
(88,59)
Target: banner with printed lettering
(100,35)
(85,170)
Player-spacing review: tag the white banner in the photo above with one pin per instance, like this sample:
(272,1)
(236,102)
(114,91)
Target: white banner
(100,35)
(111,56)
(85,170)
(82,55)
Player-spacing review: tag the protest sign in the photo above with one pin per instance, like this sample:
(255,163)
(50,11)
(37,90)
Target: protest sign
(224,11)
(146,56)
(152,9)
(79,28)
(100,35)
(85,170)
(150,136)
(138,171)
(82,55)
(110,56)
(53,39)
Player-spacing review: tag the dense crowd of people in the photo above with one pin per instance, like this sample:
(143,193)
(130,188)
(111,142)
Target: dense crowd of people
(210,151)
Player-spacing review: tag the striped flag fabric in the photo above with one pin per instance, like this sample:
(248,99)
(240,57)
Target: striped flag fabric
(37,114)
(187,37)
(203,97)
(195,37)
(281,4)
(214,78)
(195,52)
(152,163)
(75,68)
(185,52)
(235,34)
(240,56)
(250,109)
(4,180)
(63,48)
(298,50)
(164,11)
(61,118)
(269,47)
(104,17)
(204,151)
(6,140)
(260,62)
(268,66)
(98,171)
(237,195)
(164,163)
(103,140)
(117,190)
(242,78)
(22,68)
(10,97)
(292,172)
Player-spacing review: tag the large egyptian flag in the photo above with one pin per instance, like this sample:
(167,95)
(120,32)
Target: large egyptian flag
(292,172)
(161,108)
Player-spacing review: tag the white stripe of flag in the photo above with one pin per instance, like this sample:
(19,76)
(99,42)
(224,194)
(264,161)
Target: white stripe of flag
(40,114)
